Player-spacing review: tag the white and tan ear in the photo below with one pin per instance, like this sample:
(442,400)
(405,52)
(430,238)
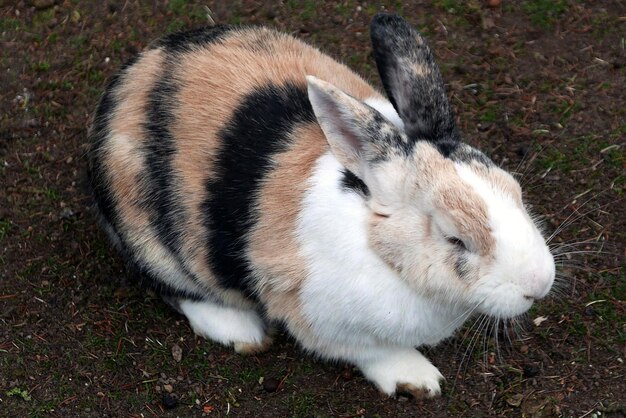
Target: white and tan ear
(357,134)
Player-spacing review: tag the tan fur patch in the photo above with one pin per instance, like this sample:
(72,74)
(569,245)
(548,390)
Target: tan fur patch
(469,214)
(431,171)
(501,180)
(419,70)
(123,160)
(273,244)
(466,208)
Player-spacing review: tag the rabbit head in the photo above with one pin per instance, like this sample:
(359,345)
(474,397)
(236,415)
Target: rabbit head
(443,216)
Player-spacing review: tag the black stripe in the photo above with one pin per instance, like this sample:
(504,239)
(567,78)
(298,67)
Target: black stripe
(258,130)
(160,193)
(187,40)
(447,147)
(349,181)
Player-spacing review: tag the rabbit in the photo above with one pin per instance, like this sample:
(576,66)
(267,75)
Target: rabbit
(253,181)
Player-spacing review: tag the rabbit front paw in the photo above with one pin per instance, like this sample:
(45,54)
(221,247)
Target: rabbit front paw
(403,371)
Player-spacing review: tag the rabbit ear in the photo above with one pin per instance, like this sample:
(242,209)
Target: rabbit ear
(412,80)
(358,135)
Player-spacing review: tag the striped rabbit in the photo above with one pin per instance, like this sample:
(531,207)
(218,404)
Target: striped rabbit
(252,180)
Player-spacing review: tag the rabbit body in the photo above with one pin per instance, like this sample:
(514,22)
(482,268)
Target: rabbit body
(251,179)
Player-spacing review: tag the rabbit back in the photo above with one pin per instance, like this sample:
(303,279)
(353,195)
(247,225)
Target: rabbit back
(200,153)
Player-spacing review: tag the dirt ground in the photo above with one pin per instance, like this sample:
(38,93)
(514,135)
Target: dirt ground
(539,85)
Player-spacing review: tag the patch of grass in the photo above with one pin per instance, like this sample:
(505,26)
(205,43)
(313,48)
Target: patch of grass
(579,151)
(79,41)
(95,76)
(178,6)
(51,194)
(302,404)
(460,9)
(5,227)
(555,159)
(117,45)
(451,6)
(565,109)
(42,66)
(310,10)
(175,25)
(185,8)
(490,114)
(602,25)
(344,9)
(21,393)
(8,23)
(250,375)
(544,13)
(43,17)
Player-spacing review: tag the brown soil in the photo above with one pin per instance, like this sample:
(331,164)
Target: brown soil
(539,85)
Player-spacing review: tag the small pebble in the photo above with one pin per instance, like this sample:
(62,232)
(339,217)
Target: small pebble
(168,388)
(523,150)
(169,401)
(177,353)
(530,370)
(66,213)
(270,385)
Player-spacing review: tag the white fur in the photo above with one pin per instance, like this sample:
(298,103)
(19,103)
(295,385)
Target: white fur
(357,306)
(402,366)
(523,268)
(349,286)
(223,324)
(385,108)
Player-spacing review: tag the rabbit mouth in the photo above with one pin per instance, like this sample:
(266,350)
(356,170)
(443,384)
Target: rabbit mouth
(506,300)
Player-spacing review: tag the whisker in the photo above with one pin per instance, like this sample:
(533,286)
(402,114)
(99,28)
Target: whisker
(462,317)
(470,347)
(563,254)
(572,218)
(557,246)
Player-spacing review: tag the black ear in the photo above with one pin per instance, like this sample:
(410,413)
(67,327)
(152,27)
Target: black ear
(412,80)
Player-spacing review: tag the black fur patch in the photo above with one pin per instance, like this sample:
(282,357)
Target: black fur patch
(160,194)
(187,40)
(461,266)
(257,131)
(351,182)
(385,142)
(447,148)
(98,134)
(464,153)
(419,97)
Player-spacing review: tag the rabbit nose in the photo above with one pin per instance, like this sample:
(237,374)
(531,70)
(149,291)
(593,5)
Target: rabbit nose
(539,286)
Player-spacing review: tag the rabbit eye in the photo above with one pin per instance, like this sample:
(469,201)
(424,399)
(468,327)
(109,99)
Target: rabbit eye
(457,242)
